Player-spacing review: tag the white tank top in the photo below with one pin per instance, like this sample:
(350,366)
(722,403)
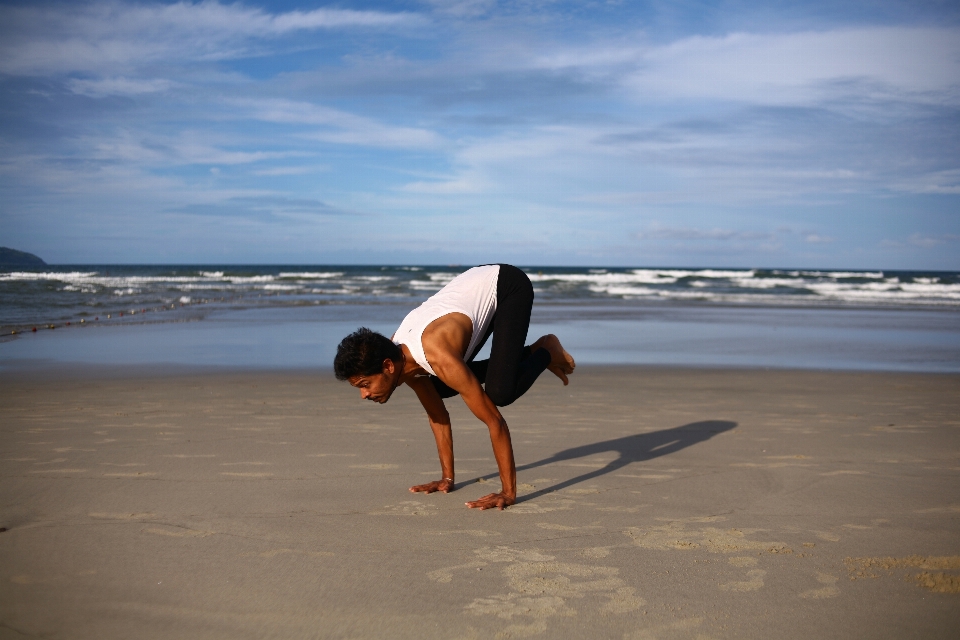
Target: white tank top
(473,293)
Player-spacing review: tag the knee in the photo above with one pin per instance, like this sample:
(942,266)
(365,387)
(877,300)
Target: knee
(500,397)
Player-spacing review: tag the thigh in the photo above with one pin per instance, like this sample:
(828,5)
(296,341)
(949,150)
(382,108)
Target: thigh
(510,324)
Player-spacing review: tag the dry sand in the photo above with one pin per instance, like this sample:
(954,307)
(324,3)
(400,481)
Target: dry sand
(656,503)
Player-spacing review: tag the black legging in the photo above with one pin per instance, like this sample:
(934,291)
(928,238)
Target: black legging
(512,367)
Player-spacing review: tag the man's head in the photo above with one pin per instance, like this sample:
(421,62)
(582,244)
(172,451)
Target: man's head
(370,362)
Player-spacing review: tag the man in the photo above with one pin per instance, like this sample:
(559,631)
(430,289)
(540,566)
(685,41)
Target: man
(433,353)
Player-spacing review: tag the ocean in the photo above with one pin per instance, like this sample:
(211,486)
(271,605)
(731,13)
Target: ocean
(292,316)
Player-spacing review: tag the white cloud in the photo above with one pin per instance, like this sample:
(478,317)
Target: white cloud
(925,241)
(339,127)
(870,63)
(186,148)
(338,18)
(458,185)
(462,8)
(659,232)
(107,36)
(938,182)
(802,68)
(118,86)
(920,241)
(296,170)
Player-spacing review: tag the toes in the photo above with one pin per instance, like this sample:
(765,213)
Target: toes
(560,373)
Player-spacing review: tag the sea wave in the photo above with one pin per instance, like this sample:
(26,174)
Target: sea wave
(62,293)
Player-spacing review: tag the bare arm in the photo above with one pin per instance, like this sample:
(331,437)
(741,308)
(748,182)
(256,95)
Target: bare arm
(458,376)
(440,424)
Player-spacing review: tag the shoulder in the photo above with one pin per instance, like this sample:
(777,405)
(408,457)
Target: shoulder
(446,335)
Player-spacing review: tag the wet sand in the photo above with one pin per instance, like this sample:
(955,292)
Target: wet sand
(655,503)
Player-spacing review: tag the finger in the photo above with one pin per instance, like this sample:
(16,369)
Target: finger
(563,377)
(486,502)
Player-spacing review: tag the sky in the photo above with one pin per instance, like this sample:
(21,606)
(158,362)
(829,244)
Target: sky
(766,134)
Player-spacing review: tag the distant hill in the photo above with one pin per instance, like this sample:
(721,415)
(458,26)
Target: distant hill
(10,258)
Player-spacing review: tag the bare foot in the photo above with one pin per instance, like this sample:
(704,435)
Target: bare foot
(561,362)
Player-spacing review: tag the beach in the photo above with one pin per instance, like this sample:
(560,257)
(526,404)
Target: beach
(734,225)
(655,502)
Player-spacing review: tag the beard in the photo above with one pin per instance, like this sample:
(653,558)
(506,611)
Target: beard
(382,399)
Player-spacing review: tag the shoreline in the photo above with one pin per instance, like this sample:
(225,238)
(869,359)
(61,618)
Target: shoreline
(302,337)
(39,371)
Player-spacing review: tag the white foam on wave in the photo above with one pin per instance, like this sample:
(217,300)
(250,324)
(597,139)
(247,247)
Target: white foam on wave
(373,278)
(803,287)
(282,287)
(645,277)
(888,291)
(311,275)
(620,290)
(93,278)
(62,276)
(420,285)
(442,276)
(850,274)
(769,283)
(714,273)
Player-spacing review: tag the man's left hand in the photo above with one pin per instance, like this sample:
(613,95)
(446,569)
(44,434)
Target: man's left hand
(489,501)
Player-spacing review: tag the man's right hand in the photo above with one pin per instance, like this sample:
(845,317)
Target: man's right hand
(444,485)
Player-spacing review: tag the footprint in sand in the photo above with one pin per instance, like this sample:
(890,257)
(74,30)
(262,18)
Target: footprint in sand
(753,582)
(828,591)
(408,508)
(540,588)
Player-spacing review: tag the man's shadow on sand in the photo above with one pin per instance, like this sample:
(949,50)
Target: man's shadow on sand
(636,448)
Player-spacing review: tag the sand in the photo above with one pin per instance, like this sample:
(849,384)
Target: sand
(655,503)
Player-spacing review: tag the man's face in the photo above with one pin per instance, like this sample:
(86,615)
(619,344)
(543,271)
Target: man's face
(379,386)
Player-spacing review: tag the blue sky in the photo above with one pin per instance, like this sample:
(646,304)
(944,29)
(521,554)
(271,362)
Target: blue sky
(739,134)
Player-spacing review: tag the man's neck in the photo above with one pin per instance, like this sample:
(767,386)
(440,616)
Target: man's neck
(408,366)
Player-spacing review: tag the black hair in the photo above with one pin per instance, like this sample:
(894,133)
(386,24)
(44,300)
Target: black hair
(362,354)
